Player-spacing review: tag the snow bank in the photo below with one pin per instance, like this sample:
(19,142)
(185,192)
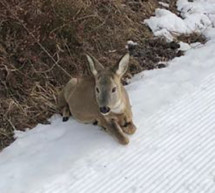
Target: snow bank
(196,16)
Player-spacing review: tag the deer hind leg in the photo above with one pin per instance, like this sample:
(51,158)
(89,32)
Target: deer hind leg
(63,106)
(114,129)
(61,101)
(66,113)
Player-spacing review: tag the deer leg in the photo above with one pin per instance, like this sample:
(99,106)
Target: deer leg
(62,106)
(61,102)
(129,128)
(114,128)
(95,122)
(66,113)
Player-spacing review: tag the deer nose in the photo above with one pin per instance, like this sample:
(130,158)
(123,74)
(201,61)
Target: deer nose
(104,109)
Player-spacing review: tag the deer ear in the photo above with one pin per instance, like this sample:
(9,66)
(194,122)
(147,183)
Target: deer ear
(94,65)
(122,66)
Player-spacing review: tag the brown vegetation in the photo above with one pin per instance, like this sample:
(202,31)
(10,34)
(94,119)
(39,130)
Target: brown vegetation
(42,44)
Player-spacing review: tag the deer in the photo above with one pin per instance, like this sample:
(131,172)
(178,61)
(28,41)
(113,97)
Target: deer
(100,99)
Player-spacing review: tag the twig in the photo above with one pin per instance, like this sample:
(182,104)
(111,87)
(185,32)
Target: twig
(12,125)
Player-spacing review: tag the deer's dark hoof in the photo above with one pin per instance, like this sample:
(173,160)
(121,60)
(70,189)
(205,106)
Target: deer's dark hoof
(124,140)
(129,128)
(95,123)
(65,119)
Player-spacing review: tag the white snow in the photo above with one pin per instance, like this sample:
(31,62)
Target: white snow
(196,16)
(131,42)
(163,4)
(173,150)
(184,46)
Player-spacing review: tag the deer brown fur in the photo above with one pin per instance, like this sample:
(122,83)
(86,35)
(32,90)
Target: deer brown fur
(100,99)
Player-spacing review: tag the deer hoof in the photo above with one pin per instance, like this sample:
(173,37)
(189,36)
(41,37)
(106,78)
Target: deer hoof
(124,141)
(129,129)
(95,123)
(65,119)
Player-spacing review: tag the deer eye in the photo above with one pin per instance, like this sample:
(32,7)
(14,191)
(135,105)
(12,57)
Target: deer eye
(114,89)
(97,89)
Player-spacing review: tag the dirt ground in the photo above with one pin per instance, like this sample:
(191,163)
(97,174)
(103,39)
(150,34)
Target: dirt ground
(42,44)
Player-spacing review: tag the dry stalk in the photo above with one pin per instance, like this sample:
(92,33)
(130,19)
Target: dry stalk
(32,35)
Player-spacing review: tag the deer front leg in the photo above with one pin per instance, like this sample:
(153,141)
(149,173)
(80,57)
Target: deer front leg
(114,128)
(129,128)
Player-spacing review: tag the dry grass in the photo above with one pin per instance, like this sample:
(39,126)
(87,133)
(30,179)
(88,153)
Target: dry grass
(192,38)
(172,6)
(42,43)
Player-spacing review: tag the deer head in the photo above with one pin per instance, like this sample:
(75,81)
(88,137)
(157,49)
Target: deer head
(108,87)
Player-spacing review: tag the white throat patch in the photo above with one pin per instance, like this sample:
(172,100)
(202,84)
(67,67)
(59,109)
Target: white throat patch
(118,108)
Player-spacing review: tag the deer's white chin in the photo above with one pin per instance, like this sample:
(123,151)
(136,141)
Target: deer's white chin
(105,114)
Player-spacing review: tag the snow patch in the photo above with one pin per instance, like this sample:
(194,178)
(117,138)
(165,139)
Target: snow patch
(130,42)
(184,46)
(196,17)
(163,4)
